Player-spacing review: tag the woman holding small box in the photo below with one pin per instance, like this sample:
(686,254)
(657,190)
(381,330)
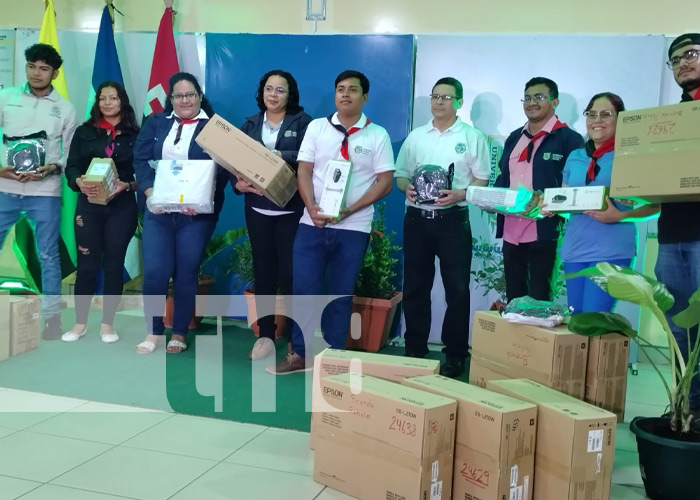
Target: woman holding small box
(280,126)
(104,222)
(174,243)
(607,235)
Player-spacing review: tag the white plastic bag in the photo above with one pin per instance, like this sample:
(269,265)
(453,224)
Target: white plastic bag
(181,184)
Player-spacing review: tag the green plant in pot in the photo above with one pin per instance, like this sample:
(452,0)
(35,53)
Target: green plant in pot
(669,446)
(376,298)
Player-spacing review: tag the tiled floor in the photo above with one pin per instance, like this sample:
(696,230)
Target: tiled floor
(54,448)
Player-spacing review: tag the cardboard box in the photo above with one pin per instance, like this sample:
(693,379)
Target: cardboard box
(554,357)
(575,443)
(575,199)
(335,188)
(656,154)
(519,202)
(482,370)
(387,441)
(102,172)
(25,323)
(247,158)
(495,440)
(606,378)
(338,361)
(4,325)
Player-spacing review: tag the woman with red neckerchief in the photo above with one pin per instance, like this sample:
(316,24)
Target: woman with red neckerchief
(103,232)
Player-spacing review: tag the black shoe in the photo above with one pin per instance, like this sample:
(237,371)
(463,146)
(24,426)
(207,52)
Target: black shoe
(53,330)
(413,354)
(452,368)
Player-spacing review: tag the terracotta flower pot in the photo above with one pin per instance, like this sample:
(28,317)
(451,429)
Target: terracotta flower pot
(280,316)
(203,286)
(377,316)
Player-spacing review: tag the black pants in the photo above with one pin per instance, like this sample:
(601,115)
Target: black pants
(529,269)
(102,235)
(450,239)
(272,241)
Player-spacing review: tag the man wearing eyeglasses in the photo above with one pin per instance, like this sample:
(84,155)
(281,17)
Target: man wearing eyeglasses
(442,228)
(678,263)
(533,157)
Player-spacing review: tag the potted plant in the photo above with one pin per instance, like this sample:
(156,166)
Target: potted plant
(669,446)
(241,266)
(489,275)
(215,246)
(376,298)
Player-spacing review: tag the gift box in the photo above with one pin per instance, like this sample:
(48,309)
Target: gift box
(575,199)
(182,184)
(102,173)
(335,188)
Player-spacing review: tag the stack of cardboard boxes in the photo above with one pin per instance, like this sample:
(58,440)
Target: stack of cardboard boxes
(512,434)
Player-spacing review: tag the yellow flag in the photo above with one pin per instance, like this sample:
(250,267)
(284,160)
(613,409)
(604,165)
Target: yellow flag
(49,35)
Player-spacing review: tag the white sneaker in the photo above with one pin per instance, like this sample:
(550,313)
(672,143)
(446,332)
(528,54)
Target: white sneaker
(263,348)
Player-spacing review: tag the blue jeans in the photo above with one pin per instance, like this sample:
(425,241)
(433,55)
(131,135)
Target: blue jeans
(335,254)
(678,267)
(173,247)
(583,294)
(44,213)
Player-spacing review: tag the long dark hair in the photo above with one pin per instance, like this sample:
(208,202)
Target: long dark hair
(293,106)
(189,77)
(127,118)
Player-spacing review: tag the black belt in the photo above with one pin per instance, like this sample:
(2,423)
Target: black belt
(436,213)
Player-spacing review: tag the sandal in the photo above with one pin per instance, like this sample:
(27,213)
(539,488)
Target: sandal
(175,344)
(146,347)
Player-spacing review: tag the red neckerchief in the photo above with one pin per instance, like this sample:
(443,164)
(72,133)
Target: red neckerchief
(595,153)
(111,130)
(526,154)
(180,123)
(344,146)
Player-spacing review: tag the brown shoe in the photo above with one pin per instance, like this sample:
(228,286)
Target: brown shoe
(291,364)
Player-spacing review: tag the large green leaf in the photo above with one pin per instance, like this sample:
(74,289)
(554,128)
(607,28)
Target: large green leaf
(690,316)
(624,283)
(595,324)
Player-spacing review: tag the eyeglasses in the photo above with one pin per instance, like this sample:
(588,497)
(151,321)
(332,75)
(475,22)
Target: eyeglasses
(446,98)
(687,56)
(179,97)
(594,115)
(537,97)
(275,90)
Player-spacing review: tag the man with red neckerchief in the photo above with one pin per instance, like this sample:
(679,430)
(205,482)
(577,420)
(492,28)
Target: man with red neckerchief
(533,157)
(678,263)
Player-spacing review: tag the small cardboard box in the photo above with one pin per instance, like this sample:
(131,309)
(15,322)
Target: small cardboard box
(247,158)
(25,324)
(575,199)
(519,202)
(495,440)
(102,172)
(4,325)
(338,361)
(656,154)
(575,443)
(335,188)
(554,357)
(384,440)
(606,378)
